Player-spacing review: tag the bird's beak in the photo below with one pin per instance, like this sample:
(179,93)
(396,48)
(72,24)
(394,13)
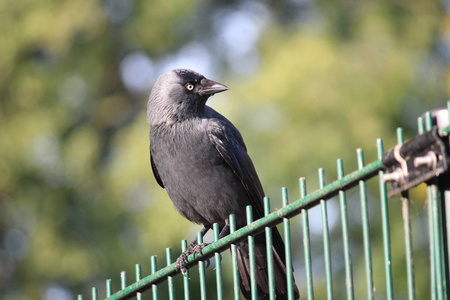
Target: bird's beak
(210,87)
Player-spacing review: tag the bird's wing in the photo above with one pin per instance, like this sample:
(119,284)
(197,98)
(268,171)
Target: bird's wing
(155,171)
(229,143)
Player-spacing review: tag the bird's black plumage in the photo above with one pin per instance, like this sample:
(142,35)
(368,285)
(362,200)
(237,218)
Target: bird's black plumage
(200,158)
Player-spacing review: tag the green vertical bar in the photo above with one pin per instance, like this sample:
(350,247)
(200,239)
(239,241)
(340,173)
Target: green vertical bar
(80,297)
(153,269)
(400,136)
(237,294)
(186,277)
(218,260)
(201,271)
(108,288)
(170,285)
(420,125)
(406,215)
(326,239)
(385,227)
(437,233)
(447,202)
(123,280)
(345,235)
(437,228)
(366,228)
(446,195)
(138,270)
(287,244)
(428,121)
(306,242)
(421,129)
(138,277)
(448,109)
(94,293)
(251,248)
(447,214)
(432,245)
(269,243)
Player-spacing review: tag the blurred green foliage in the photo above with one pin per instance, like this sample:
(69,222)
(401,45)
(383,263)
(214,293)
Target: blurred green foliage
(78,202)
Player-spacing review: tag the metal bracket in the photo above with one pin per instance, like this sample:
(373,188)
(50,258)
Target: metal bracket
(415,161)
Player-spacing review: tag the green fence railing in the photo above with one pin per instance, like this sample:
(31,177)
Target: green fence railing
(337,265)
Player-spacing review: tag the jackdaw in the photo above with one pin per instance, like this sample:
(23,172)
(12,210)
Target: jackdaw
(200,158)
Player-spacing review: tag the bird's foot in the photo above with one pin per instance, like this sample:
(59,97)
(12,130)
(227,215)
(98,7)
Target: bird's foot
(193,248)
(181,263)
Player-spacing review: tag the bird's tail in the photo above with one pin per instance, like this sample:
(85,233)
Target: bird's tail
(279,270)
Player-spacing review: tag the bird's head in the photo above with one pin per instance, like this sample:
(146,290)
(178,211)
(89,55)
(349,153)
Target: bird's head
(180,94)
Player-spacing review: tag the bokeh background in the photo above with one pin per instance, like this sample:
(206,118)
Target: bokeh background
(310,81)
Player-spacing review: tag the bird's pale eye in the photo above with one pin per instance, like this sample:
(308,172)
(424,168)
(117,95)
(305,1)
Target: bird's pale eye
(189,86)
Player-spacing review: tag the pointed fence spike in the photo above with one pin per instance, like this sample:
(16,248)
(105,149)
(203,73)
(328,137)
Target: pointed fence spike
(123,280)
(428,120)
(138,272)
(400,136)
(249,213)
(266,206)
(380,149)
(448,114)
(108,288)
(420,125)
(360,155)
(321,173)
(302,185)
(94,293)
(340,168)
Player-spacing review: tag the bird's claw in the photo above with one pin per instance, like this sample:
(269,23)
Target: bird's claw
(197,249)
(193,248)
(181,263)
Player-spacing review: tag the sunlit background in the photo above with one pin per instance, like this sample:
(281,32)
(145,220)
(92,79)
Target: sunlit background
(310,81)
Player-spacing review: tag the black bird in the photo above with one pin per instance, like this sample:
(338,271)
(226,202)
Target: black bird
(200,158)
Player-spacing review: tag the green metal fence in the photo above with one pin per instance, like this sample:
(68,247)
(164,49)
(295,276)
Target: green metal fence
(424,266)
